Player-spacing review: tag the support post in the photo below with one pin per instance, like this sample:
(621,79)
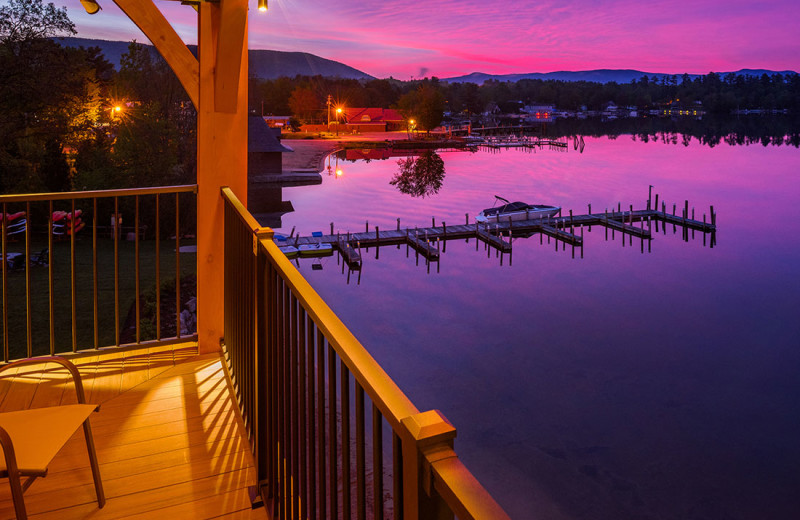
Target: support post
(422,433)
(221,150)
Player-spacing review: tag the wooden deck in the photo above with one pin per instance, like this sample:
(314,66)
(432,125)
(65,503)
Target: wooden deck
(169,439)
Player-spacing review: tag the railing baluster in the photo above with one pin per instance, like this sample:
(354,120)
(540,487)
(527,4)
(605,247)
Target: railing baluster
(397,475)
(50,298)
(5,285)
(321,424)
(116,270)
(377,463)
(136,268)
(28,303)
(158,265)
(69,227)
(302,440)
(177,265)
(274,382)
(294,387)
(361,495)
(332,454)
(285,394)
(95,296)
(345,400)
(312,431)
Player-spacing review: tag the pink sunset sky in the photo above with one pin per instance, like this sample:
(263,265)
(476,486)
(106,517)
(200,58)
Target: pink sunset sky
(450,38)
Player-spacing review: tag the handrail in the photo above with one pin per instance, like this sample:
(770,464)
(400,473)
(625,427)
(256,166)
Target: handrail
(275,321)
(142,262)
(97,194)
(392,401)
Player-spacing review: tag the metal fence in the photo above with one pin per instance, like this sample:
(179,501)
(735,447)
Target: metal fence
(316,404)
(57,262)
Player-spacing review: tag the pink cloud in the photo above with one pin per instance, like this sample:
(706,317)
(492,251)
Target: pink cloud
(462,36)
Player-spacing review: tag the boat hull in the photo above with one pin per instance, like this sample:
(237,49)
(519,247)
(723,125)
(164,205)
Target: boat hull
(538,212)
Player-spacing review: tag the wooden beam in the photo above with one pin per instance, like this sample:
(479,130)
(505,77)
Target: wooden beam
(231,46)
(152,23)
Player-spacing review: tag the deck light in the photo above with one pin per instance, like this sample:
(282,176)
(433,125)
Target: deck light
(262,6)
(91,6)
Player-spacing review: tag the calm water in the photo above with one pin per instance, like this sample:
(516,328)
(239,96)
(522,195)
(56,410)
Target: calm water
(620,385)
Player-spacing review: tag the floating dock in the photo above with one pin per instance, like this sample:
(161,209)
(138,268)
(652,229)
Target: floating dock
(428,241)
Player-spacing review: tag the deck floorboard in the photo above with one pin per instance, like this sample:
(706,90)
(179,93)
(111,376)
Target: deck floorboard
(168,435)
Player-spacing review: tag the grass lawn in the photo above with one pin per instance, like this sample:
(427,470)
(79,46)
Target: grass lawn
(62,298)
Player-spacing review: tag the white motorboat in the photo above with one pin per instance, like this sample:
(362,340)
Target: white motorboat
(515,211)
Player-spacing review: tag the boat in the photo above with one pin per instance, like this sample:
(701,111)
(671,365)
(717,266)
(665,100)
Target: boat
(317,249)
(515,211)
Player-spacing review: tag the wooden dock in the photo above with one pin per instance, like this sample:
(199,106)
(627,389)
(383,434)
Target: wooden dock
(428,241)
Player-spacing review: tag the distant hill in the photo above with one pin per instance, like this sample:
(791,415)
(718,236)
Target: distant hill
(264,64)
(599,75)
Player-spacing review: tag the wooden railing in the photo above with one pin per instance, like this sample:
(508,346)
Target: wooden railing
(57,295)
(306,386)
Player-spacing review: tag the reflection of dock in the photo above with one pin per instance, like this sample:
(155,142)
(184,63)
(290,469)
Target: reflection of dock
(430,241)
(523,141)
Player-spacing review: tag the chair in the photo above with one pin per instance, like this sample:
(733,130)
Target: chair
(31,438)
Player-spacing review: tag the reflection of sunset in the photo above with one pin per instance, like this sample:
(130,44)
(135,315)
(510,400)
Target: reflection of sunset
(618,360)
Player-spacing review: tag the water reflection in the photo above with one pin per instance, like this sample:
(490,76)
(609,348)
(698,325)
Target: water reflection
(420,176)
(711,131)
(620,386)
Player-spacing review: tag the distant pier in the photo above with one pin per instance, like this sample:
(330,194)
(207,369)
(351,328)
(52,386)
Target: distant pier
(429,242)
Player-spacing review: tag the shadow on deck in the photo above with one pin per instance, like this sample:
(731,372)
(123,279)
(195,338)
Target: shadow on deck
(169,439)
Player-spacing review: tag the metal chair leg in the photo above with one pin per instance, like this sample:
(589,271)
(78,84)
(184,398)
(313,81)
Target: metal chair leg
(98,483)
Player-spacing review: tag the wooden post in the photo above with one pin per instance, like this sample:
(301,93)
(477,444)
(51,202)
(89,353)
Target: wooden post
(649,195)
(377,236)
(590,208)
(713,217)
(433,221)
(466,215)
(655,207)
(331,228)
(221,148)
(674,209)
(366,227)
(398,224)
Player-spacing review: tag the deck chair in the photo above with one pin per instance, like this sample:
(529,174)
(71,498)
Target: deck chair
(31,438)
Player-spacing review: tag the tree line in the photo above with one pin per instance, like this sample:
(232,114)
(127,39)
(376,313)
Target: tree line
(304,97)
(70,121)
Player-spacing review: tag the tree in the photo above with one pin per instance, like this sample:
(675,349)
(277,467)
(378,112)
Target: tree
(25,21)
(425,105)
(421,176)
(43,96)
(303,103)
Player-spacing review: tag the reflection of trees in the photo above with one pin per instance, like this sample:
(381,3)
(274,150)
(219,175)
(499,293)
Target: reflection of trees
(420,176)
(776,130)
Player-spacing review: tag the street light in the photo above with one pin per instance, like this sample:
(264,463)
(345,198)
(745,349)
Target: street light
(262,6)
(338,113)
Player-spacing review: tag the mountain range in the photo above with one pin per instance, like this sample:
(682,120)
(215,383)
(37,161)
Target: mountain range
(264,64)
(598,75)
(267,64)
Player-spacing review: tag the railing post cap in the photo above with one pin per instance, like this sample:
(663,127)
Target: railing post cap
(429,427)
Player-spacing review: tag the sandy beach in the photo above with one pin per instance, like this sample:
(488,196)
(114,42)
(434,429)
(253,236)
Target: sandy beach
(309,154)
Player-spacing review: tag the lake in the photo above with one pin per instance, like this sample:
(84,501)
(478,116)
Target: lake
(663,384)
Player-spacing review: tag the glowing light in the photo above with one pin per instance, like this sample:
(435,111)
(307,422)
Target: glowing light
(117,109)
(262,6)
(91,6)
(339,172)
